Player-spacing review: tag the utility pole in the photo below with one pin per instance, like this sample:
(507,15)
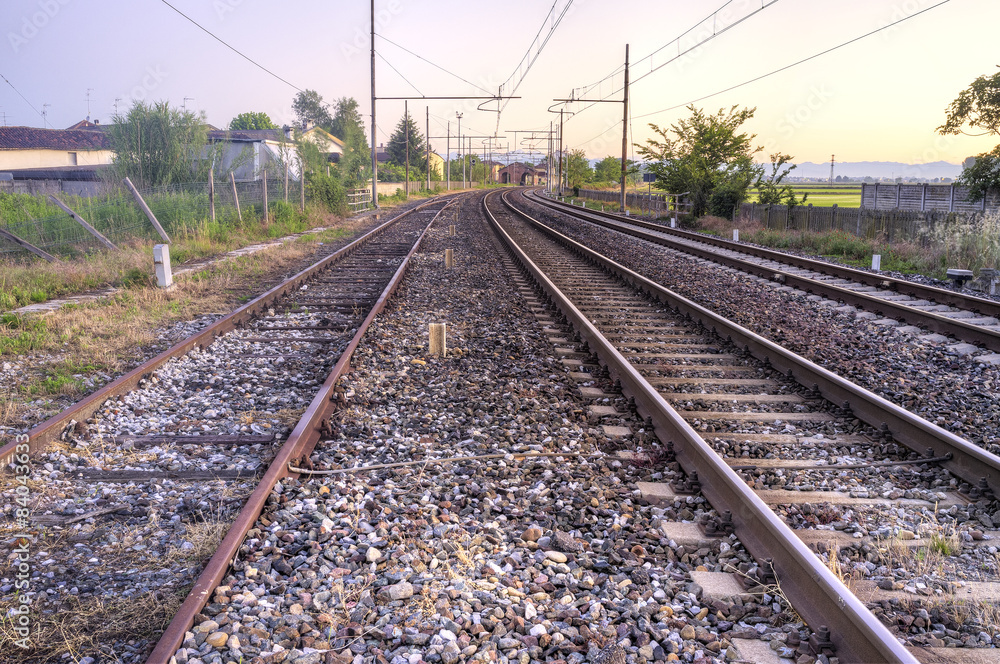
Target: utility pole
(560,151)
(460,146)
(447,153)
(374,138)
(406,131)
(427,137)
(548,164)
(625,131)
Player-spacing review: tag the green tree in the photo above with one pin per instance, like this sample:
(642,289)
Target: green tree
(310,108)
(346,117)
(770,191)
(155,145)
(251,120)
(578,170)
(978,106)
(704,152)
(609,169)
(355,165)
(398,142)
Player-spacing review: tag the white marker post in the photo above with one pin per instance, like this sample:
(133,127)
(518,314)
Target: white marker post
(736,235)
(876,261)
(161,260)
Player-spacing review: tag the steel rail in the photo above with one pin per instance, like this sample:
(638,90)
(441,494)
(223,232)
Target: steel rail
(968,461)
(974,334)
(812,589)
(44,433)
(300,443)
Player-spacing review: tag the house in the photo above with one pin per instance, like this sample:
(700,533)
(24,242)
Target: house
(248,152)
(32,147)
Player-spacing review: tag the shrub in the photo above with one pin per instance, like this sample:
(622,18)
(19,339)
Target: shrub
(724,200)
(327,191)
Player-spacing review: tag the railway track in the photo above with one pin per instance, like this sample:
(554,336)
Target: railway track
(132,489)
(966,317)
(486,506)
(795,439)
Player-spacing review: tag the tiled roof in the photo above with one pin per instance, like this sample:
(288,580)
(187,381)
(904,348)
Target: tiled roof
(33,138)
(247,135)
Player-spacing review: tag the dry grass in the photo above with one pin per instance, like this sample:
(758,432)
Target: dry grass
(89,626)
(108,335)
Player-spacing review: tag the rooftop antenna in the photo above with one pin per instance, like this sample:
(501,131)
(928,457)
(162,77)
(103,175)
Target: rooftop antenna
(45,115)
(4,114)
(89,90)
(831,167)
(117,99)
(185,104)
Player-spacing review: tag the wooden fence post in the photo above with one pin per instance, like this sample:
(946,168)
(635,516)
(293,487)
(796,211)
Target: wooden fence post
(80,220)
(147,211)
(211,192)
(286,183)
(265,195)
(302,190)
(27,245)
(236,197)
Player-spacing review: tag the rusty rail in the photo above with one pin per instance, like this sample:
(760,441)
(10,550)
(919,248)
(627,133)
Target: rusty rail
(813,590)
(974,334)
(300,442)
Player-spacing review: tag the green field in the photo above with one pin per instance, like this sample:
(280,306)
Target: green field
(825,195)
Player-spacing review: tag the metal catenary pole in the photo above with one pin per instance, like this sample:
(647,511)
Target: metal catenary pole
(406,131)
(624,131)
(374,137)
(447,152)
(427,134)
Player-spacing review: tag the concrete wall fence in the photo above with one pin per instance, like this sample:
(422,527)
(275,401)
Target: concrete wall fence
(925,197)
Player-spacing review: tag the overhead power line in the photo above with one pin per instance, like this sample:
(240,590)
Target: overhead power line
(796,63)
(773,72)
(420,57)
(22,96)
(231,48)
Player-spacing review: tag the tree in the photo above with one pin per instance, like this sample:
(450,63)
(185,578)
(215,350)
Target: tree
(250,121)
(770,191)
(310,108)
(155,145)
(354,166)
(978,106)
(397,145)
(609,169)
(704,152)
(346,117)
(578,170)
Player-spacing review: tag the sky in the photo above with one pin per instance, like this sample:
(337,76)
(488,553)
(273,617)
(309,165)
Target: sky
(878,99)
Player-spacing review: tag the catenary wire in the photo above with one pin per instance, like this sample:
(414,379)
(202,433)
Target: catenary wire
(420,57)
(234,50)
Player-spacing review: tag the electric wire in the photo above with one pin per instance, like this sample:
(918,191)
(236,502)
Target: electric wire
(399,74)
(680,53)
(21,96)
(234,50)
(420,57)
(794,64)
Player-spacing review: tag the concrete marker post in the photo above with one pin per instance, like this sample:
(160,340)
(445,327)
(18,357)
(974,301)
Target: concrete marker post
(438,344)
(736,235)
(449,258)
(161,261)
(451,230)
(876,261)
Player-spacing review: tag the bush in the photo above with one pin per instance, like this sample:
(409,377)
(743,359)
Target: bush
(327,191)
(724,200)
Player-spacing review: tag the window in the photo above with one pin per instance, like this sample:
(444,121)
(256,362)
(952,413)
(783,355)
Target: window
(72,158)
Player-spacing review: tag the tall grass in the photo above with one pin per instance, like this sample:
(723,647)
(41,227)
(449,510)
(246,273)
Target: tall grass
(965,243)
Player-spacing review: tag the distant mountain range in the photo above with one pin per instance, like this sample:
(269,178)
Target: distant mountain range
(878,169)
